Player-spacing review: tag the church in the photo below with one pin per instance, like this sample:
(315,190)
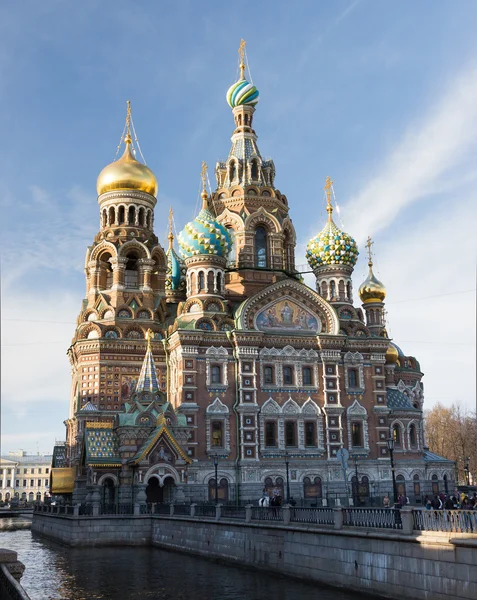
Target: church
(208,370)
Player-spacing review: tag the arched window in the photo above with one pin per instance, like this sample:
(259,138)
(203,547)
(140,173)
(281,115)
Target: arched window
(357,434)
(324,290)
(131,215)
(446,484)
(105,218)
(141,216)
(232,255)
(312,488)
(233,171)
(318,289)
(131,275)
(105,272)
(288,375)
(401,485)
(148,219)
(121,215)
(210,282)
(417,488)
(192,283)
(412,434)
(397,435)
(215,374)
(254,170)
(310,434)
(341,289)
(268,375)
(222,490)
(349,293)
(261,247)
(353,378)
(219,282)
(290,433)
(307,376)
(201,281)
(435,484)
(112,215)
(332,290)
(371,317)
(217,434)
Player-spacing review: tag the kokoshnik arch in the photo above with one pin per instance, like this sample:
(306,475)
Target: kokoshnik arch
(222,350)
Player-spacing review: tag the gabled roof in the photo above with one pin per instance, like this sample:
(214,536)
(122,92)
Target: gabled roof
(396,400)
(89,407)
(160,431)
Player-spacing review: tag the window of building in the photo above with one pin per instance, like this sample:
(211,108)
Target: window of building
(32,483)
(307,376)
(268,374)
(270,433)
(310,433)
(290,433)
(353,378)
(356,433)
(222,490)
(216,374)
(32,471)
(46,482)
(201,281)
(217,434)
(24,482)
(260,247)
(435,484)
(39,483)
(288,375)
(312,487)
(9,471)
(412,434)
(8,482)
(39,470)
(17,483)
(417,487)
(397,435)
(25,471)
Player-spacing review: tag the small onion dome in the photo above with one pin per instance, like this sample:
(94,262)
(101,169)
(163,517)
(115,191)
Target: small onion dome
(371,290)
(331,247)
(392,354)
(175,275)
(127,173)
(242,92)
(204,235)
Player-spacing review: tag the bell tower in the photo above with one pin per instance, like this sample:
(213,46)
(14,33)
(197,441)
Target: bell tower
(248,204)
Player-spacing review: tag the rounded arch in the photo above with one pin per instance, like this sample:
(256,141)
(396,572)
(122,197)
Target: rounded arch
(220,475)
(90,332)
(232,220)
(205,324)
(262,217)
(131,219)
(169,472)
(102,248)
(108,476)
(112,333)
(134,245)
(134,332)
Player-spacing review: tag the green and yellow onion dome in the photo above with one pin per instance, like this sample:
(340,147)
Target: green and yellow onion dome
(175,275)
(127,173)
(242,92)
(204,236)
(371,290)
(331,247)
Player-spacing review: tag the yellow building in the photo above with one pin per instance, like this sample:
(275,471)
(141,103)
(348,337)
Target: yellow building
(24,476)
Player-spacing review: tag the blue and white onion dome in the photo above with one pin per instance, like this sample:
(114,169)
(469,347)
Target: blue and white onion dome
(331,247)
(242,92)
(204,236)
(175,276)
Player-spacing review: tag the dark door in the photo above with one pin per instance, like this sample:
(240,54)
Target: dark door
(154,492)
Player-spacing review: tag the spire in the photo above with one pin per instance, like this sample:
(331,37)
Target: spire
(204,195)
(170,237)
(327,188)
(369,243)
(147,381)
(241,52)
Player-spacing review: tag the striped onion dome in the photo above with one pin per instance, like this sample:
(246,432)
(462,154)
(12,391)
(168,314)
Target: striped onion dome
(204,236)
(242,92)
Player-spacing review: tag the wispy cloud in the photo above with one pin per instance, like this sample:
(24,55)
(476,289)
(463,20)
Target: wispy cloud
(433,145)
(347,11)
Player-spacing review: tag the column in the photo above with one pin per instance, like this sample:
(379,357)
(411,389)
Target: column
(145,270)
(119,266)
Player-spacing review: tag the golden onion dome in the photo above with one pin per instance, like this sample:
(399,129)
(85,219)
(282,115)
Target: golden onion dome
(127,173)
(392,355)
(371,290)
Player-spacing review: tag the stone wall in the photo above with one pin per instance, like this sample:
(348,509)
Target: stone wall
(108,530)
(423,565)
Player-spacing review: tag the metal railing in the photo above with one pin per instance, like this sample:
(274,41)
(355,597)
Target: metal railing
(205,510)
(321,516)
(381,518)
(233,512)
(270,513)
(10,589)
(455,521)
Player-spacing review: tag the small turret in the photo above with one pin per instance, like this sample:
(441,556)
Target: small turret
(372,293)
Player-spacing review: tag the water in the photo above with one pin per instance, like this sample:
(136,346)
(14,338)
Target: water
(60,573)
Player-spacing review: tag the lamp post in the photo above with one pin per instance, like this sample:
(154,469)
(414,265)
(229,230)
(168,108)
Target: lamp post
(356,483)
(467,469)
(287,463)
(216,465)
(391,454)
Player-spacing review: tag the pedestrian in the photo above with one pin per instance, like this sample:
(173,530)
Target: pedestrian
(386,501)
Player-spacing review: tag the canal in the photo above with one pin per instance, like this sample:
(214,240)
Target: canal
(55,572)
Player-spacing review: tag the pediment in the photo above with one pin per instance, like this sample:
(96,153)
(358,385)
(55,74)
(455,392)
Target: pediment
(288,307)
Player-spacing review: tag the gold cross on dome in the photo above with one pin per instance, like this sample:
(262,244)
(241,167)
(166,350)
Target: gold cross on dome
(327,189)
(369,243)
(203,174)
(149,337)
(241,52)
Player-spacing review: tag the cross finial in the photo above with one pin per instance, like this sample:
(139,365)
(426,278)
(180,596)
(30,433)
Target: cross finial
(128,122)
(241,52)
(327,189)
(171,235)
(369,243)
(203,175)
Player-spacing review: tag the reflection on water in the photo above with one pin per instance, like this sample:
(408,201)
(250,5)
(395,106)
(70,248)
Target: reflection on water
(60,573)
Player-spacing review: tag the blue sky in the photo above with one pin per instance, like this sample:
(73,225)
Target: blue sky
(381,96)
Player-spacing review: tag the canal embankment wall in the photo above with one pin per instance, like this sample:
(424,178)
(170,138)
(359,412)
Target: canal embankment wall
(421,565)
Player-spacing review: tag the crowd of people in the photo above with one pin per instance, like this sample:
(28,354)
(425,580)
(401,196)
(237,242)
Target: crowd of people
(456,501)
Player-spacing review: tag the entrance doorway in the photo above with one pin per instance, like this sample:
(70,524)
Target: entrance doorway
(154,492)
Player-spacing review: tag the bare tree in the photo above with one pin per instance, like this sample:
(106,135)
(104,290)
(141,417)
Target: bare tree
(452,433)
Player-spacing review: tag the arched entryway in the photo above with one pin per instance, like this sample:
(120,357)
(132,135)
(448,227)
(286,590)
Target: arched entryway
(108,492)
(160,491)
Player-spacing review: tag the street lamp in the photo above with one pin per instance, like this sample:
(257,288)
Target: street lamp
(391,454)
(287,463)
(216,465)
(467,469)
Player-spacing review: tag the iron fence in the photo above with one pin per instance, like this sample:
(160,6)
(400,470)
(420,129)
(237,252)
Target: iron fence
(233,512)
(455,521)
(270,513)
(205,510)
(321,516)
(381,518)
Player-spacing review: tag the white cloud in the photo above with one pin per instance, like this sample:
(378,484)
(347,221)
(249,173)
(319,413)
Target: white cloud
(431,147)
